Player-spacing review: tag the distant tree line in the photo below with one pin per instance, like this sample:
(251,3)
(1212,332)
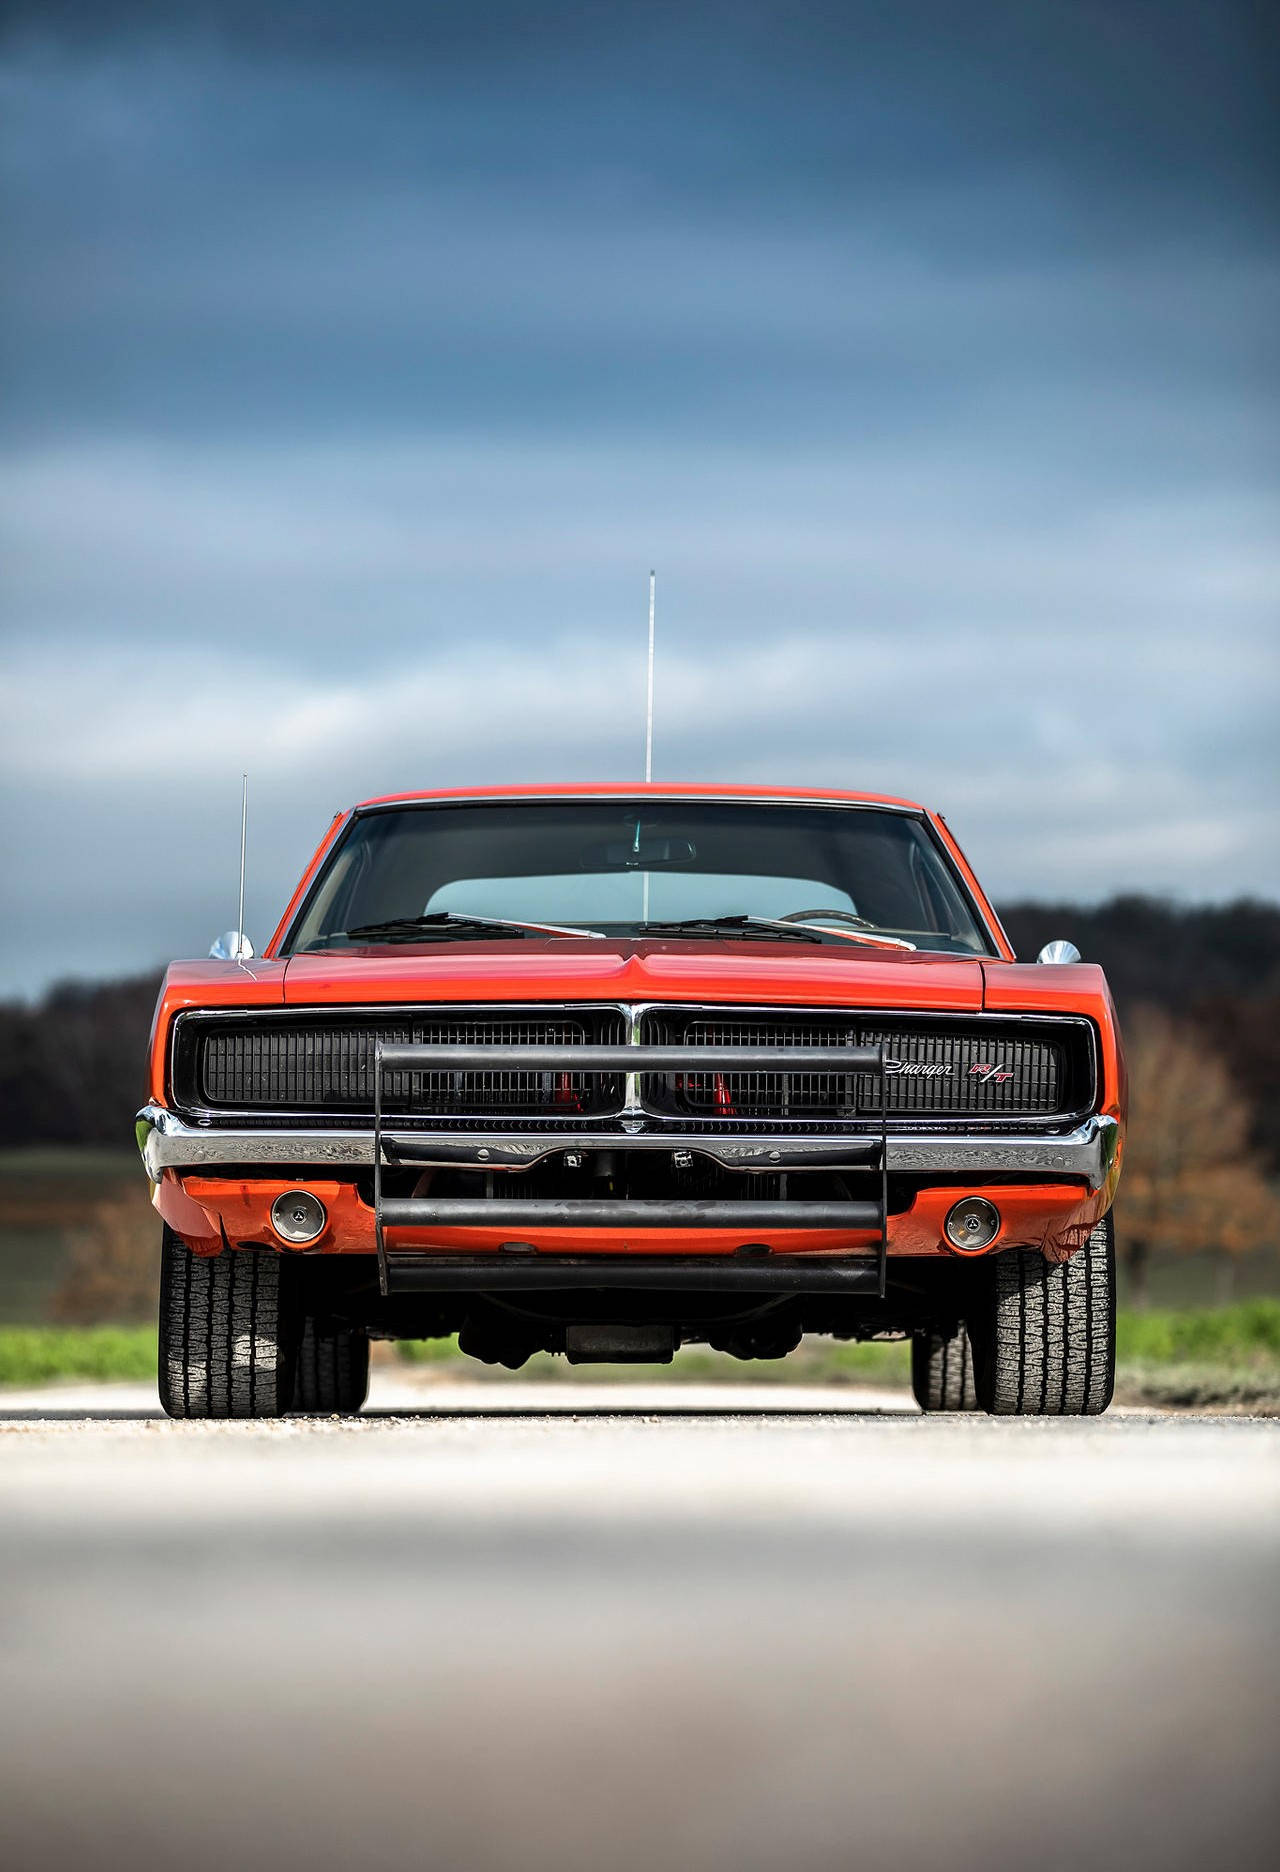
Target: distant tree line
(1215,970)
(72,1065)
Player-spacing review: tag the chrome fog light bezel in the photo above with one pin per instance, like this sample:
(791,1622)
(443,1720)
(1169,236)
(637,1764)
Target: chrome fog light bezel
(298,1217)
(959,1229)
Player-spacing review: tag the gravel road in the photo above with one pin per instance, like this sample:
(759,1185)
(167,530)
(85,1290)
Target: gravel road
(601,1628)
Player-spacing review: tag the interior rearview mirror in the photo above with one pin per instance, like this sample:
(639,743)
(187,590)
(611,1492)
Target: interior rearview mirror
(646,854)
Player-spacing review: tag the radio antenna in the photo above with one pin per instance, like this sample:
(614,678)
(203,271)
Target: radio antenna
(648,742)
(648,712)
(244,827)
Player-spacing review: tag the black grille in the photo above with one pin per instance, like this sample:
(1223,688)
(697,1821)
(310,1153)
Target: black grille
(320,1066)
(985,1072)
(326,1065)
(752,1095)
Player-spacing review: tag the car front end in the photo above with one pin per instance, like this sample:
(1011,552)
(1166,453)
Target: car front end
(685,1107)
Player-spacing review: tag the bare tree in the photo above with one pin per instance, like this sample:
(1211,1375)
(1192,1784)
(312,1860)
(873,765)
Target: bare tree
(1191,1184)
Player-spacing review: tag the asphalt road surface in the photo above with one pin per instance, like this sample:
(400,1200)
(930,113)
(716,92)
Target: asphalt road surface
(606,1629)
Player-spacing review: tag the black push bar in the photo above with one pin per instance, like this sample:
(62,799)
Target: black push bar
(534,1273)
(498,1212)
(587,1212)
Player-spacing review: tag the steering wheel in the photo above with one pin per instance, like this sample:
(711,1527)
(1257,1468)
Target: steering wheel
(827,916)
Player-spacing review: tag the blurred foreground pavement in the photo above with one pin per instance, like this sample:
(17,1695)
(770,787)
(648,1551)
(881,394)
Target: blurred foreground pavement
(624,1629)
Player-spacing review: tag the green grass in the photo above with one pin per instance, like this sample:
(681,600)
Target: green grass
(1207,1358)
(1248,1331)
(1201,1357)
(35,1355)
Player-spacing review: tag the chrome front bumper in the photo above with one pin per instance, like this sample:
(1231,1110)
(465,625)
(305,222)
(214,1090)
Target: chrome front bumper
(167,1143)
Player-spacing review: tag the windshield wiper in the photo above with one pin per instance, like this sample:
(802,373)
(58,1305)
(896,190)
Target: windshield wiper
(815,931)
(450,923)
(732,926)
(858,936)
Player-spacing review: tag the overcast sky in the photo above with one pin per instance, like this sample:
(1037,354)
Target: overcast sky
(359,362)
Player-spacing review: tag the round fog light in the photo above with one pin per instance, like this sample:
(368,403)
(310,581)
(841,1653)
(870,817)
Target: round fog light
(972,1224)
(298,1216)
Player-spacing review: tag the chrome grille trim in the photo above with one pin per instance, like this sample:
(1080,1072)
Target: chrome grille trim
(637,1101)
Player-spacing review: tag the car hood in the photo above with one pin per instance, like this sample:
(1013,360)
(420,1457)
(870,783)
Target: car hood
(718,971)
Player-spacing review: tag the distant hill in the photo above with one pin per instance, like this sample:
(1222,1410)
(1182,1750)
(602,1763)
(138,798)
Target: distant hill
(72,1065)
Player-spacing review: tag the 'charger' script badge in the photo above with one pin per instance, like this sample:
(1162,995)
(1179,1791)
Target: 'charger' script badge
(986,1072)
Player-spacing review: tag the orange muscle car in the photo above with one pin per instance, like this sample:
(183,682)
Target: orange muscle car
(603,1071)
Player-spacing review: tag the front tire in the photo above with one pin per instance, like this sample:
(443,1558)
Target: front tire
(942,1371)
(1045,1343)
(229,1332)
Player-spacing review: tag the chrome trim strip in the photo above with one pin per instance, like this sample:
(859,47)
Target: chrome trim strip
(1089,1152)
(167,1143)
(625,797)
(831,1062)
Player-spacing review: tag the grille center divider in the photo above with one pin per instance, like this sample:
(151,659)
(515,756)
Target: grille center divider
(751,1217)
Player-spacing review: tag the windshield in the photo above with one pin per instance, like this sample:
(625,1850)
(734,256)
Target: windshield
(617,867)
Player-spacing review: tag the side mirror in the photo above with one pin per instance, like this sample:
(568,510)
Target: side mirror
(1059,951)
(232,946)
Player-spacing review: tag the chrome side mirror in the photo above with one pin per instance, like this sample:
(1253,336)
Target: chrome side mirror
(1059,951)
(232,946)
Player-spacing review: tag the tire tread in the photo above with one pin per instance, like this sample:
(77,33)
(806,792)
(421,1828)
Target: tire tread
(333,1368)
(942,1375)
(1052,1331)
(226,1346)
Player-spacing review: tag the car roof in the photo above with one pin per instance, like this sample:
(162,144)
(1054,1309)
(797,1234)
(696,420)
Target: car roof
(642,790)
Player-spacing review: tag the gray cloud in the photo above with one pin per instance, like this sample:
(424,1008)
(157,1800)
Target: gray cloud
(355,378)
